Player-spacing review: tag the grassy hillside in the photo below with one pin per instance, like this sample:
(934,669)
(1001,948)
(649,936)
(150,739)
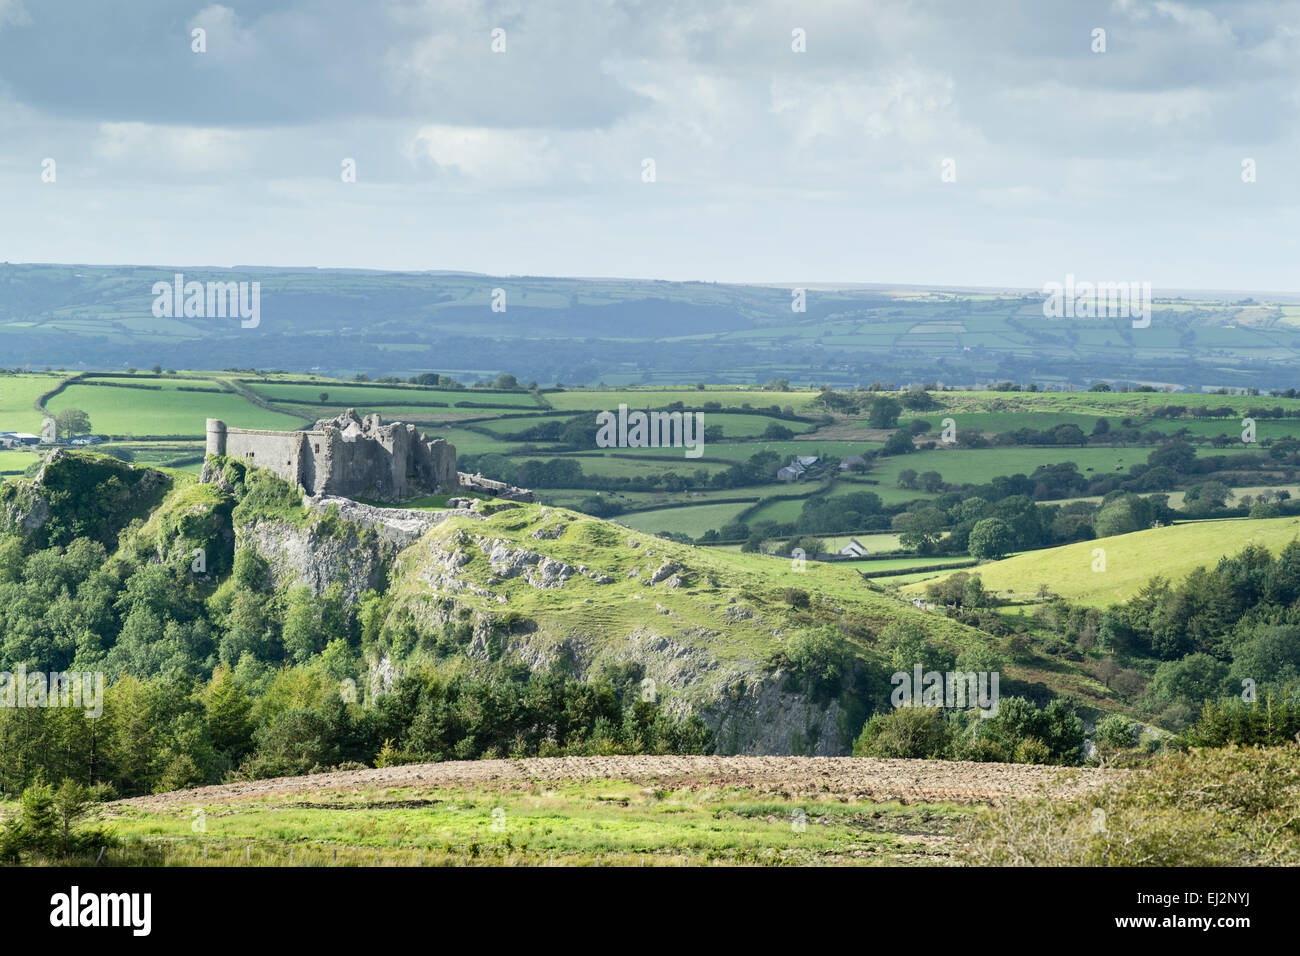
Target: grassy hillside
(732,604)
(1131,559)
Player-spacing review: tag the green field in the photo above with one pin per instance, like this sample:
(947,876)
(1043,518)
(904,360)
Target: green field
(874,543)
(596,400)
(1131,560)
(997,422)
(18,394)
(16,462)
(685,519)
(128,411)
(982,465)
(896,564)
(343,395)
(586,822)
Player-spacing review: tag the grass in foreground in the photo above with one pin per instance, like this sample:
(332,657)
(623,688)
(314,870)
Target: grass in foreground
(592,822)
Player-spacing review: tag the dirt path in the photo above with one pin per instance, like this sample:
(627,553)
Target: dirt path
(860,778)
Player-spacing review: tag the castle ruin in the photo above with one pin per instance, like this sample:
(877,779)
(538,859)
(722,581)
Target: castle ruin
(347,457)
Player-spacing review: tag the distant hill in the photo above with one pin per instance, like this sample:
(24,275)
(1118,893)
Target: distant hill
(625,332)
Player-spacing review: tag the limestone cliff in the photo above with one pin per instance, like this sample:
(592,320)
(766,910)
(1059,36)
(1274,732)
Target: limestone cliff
(529,583)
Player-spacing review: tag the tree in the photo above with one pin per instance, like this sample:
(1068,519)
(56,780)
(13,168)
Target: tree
(884,413)
(1067,435)
(1176,454)
(1191,681)
(931,481)
(1116,517)
(227,706)
(71,801)
(70,422)
(820,656)
(1212,494)
(1115,732)
(921,529)
(324,396)
(907,478)
(990,539)
(899,443)
(303,633)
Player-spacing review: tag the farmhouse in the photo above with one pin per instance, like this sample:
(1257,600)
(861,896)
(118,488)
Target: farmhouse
(854,549)
(798,466)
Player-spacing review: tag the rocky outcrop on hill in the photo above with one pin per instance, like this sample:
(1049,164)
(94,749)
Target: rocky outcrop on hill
(632,607)
(342,541)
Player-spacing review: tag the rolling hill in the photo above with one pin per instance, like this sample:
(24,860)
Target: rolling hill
(1131,560)
(623,332)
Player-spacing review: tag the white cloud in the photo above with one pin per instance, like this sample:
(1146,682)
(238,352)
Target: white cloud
(12,13)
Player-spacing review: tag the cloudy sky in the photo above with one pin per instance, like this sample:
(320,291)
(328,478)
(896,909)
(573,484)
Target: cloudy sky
(770,165)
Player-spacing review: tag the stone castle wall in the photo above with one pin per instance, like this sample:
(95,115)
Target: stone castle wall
(348,456)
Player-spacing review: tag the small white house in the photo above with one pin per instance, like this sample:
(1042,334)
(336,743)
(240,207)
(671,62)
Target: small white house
(854,549)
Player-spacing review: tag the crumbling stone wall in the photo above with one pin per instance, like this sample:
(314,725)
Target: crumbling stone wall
(348,456)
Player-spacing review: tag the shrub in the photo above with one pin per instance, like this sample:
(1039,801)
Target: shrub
(1227,807)
(819,656)
(1115,732)
(908,732)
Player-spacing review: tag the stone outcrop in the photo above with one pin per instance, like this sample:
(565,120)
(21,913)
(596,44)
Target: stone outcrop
(355,551)
(489,486)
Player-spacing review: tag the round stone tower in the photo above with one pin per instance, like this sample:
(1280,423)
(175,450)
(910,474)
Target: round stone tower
(216,437)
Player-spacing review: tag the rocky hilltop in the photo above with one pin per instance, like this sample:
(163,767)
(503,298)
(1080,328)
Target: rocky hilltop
(707,632)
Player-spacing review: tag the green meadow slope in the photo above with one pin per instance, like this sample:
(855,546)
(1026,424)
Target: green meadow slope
(1131,560)
(712,629)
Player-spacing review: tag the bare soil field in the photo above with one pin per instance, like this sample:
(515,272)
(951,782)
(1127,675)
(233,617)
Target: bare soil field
(850,778)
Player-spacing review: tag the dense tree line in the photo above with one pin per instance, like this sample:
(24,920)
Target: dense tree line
(163,733)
